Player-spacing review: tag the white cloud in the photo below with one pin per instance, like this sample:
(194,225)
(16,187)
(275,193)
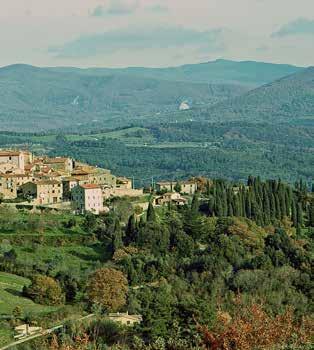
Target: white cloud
(301,26)
(142,38)
(116,7)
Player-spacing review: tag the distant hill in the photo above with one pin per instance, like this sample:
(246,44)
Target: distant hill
(288,99)
(248,73)
(39,98)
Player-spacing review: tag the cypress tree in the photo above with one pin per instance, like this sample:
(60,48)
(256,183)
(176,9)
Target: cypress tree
(195,204)
(230,209)
(299,215)
(294,218)
(131,230)
(272,203)
(248,206)
(117,242)
(151,215)
(311,213)
(266,207)
(278,207)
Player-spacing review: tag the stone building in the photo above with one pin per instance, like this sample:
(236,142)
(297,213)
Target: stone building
(43,192)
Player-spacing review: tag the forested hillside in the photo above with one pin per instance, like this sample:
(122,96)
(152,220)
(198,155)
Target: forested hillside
(179,150)
(42,99)
(229,270)
(221,71)
(290,98)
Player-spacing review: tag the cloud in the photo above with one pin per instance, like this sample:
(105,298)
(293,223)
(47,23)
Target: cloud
(301,26)
(116,7)
(142,38)
(157,9)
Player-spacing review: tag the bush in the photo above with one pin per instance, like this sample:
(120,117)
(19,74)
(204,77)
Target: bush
(45,290)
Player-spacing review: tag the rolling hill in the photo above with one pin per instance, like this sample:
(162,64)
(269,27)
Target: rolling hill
(288,99)
(248,73)
(42,99)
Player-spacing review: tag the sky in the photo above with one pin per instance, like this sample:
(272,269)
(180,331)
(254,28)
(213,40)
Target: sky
(155,33)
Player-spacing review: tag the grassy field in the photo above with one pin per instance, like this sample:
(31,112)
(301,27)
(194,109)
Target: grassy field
(10,296)
(77,258)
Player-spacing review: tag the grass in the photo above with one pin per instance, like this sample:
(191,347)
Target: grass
(71,257)
(10,297)
(11,287)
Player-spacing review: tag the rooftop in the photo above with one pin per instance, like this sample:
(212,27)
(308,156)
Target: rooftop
(9,153)
(55,160)
(90,186)
(48,182)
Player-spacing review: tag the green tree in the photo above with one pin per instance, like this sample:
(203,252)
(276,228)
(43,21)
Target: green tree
(151,215)
(117,242)
(178,187)
(131,230)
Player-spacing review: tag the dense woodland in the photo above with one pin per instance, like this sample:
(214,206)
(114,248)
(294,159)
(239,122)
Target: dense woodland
(233,269)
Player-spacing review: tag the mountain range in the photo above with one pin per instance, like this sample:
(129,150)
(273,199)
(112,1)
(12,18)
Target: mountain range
(42,99)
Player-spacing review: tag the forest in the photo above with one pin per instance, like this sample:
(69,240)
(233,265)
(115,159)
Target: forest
(233,269)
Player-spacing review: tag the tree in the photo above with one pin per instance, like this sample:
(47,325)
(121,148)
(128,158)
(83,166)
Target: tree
(17,312)
(131,230)
(155,237)
(45,290)
(311,213)
(108,287)
(117,242)
(178,187)
(151,215)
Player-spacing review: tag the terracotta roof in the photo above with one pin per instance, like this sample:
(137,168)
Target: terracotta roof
(55,160)
(90,186)
(9,153)
(79,172)
(29,166)
(48,182)
(14,175)
(123,179)
(70,178)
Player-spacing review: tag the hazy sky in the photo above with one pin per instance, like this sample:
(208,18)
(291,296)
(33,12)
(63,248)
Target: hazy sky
(155,32)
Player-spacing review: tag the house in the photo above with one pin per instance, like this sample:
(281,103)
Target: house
(87,198)
(188,187)
(59,163)
(125,183)
(125,318)
(11,183)
(26,330)
(15,159)
(165,186)
(69,183)
(170,197)
(43,192)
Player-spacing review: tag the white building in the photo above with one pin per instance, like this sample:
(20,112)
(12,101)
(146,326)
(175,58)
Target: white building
(87,198)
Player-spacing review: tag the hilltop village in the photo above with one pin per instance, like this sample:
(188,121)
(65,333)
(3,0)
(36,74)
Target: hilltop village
(64,183)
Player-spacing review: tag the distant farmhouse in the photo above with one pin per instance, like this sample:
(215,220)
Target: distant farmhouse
(186,187)
(125,318)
